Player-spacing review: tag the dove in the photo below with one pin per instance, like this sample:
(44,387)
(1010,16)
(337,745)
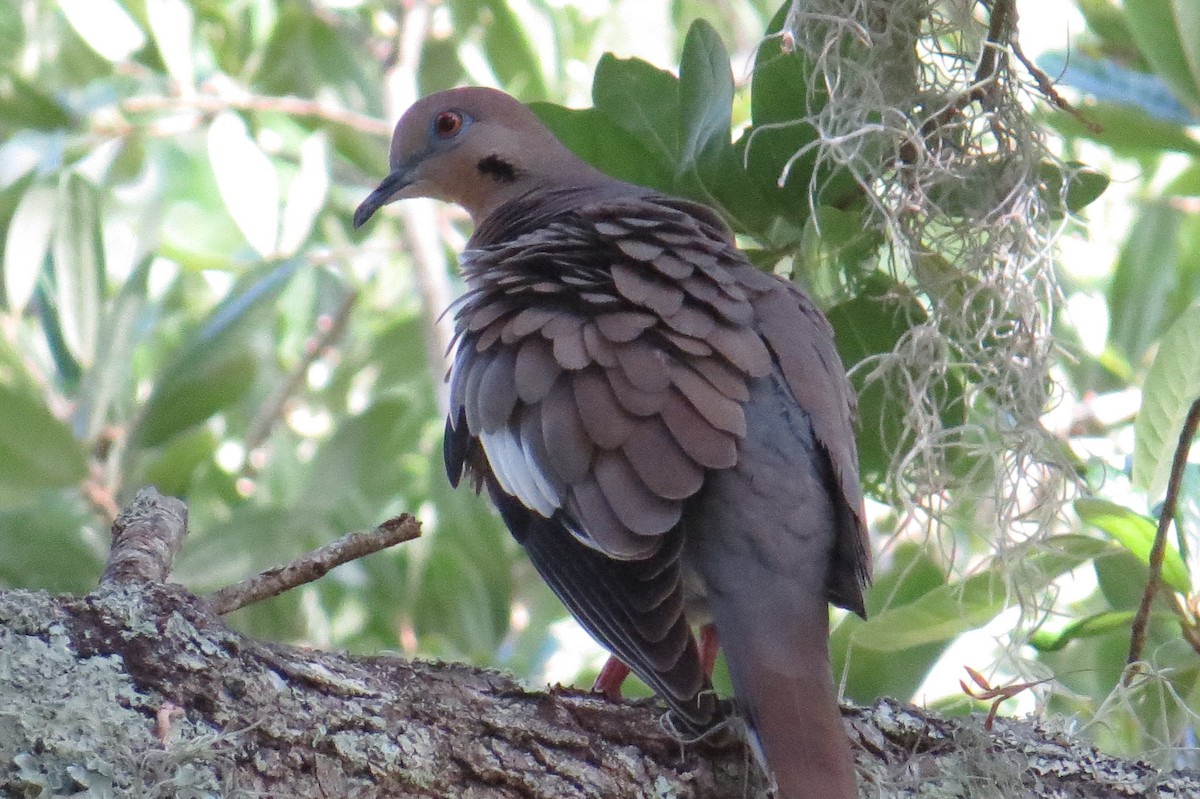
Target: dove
(667,430)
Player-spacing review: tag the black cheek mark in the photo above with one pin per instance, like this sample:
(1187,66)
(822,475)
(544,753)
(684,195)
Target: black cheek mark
(498,169)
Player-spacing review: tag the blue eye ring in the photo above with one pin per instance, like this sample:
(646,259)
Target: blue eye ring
(448,124)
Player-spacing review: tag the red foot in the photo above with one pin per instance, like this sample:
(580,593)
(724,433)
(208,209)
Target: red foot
(613,673)
(709,646)
(611,676)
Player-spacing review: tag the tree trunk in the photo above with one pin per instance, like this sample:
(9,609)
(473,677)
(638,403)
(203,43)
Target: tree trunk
(140,689)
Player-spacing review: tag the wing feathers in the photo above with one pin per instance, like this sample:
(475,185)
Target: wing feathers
(632,398)
(606,422)
(599,525)
(661,463)
(599,347)
(568,446)
(709,447)
(617,351)
(638,508)
(717,409)
(644,366)
(622,326)
(569,349)
(496,392)
(535,370)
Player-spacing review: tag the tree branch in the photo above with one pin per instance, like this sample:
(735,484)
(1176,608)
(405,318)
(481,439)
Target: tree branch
(294,106)
(314,565)
(146,537)
(162,695)
(1137,638)
(164,699)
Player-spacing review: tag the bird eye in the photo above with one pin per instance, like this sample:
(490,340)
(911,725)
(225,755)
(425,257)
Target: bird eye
(447,124)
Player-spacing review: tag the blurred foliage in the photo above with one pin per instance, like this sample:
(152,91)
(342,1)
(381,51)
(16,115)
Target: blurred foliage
(184,304)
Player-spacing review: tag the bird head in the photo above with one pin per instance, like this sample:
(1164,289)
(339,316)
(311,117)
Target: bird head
(475,147)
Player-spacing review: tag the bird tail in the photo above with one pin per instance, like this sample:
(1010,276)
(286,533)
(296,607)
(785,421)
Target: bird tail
(761,538)
(791,707)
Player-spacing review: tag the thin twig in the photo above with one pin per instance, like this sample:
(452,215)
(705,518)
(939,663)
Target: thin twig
(1187,622)
(294,106)
(100,494)
(1137,638)
(272,409)
(1002,24)
(1001,38)
(315,564)
(1046,87)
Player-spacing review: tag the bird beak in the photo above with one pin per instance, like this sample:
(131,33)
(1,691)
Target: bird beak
(399,179)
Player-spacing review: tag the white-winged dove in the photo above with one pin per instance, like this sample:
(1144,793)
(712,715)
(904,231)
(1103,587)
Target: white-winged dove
(666,429)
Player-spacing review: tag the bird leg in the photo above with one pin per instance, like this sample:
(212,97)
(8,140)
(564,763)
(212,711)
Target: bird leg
(610,679)
(710,645)
(613,673)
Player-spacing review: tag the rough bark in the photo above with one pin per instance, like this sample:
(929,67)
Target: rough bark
(140,689)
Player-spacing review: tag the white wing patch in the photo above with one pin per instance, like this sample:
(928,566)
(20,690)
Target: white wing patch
(518,472)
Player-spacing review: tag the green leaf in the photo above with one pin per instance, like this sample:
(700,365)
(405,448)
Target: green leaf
(779,86)
(705,95)
(36,449)
(454,603)
(643,101)
(1187,21)
(219,379)
(79,266)
(105,26)
(1106,20)
(114,356)
(867,326)
(605,145)
(27,243)
(1121,578)
(837,243)
(946,612)
(45,548)
(909,574)
(1096,624)
(511,51)
(312,55)
(1172,385)
(466,597)
(1186,183)
(172,26)
(66,367)
(306,195)
(778,99)
(172,471)
(26,105)
(778,147)
(1083,186)
(1143,280)
(1159,37)
(1136,533)
(1125,130)
(363,457)
(12,32)
(247,181)
(14,369)
(216,367)
(440,66)
(398,351)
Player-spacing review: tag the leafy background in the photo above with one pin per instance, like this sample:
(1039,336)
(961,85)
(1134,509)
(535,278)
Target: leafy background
(185,304)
